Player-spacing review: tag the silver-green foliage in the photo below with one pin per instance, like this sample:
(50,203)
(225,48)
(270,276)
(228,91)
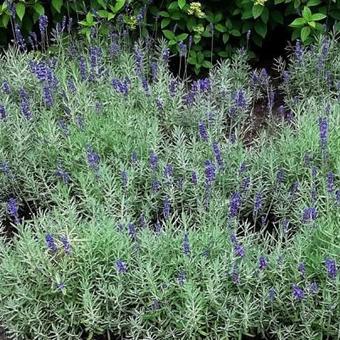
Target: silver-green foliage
(66,294)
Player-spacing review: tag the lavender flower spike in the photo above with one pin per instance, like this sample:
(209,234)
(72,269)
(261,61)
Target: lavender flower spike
(331,268)
(235,204)
(217,153)
(93,158)
(50,243)
(13,209)
(263,263)
(186,245)
(203,131)
(298,293)
(121,267)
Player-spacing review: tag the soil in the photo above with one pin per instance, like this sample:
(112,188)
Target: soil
(3,336)
(27,211)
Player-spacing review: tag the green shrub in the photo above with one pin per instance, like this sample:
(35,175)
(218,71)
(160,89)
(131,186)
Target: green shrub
(216,27)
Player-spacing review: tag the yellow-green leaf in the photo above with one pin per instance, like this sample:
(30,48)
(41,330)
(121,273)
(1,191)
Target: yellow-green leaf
(305,32)
(57,4)
(39,8)
(20,9)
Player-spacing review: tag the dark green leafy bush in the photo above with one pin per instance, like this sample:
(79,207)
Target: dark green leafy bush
(207,31)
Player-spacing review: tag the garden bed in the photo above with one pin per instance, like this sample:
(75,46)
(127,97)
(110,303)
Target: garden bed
(140,205)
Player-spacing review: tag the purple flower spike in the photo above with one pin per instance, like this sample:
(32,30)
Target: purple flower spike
(168,171)
(182,49)
(166,208)
(4,168)
(330,182)
(132,231)
(121,267)
(50,243)
(62,174)
(24,104)
(5,87)
(3,114)
(43,23)
(166,55)
(209,172)
(217,153)
(240,100)
(203,131)
(66,244)
(235,204)
(245,184)
(181,278)
(323,128)
(337,196)
(235,276)
(194,177)
(280,176)
(13,209)
(258,202)
(186,245)
(302,269)
(83,68)
(153,161)
(263,263)
(298,293)
(309,215)
(239,250)
(124,179)
(47,96)
(93,159)
(272,294)
(331,268)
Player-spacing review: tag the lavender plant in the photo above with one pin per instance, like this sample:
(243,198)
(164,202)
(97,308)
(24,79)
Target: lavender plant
(149,214)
